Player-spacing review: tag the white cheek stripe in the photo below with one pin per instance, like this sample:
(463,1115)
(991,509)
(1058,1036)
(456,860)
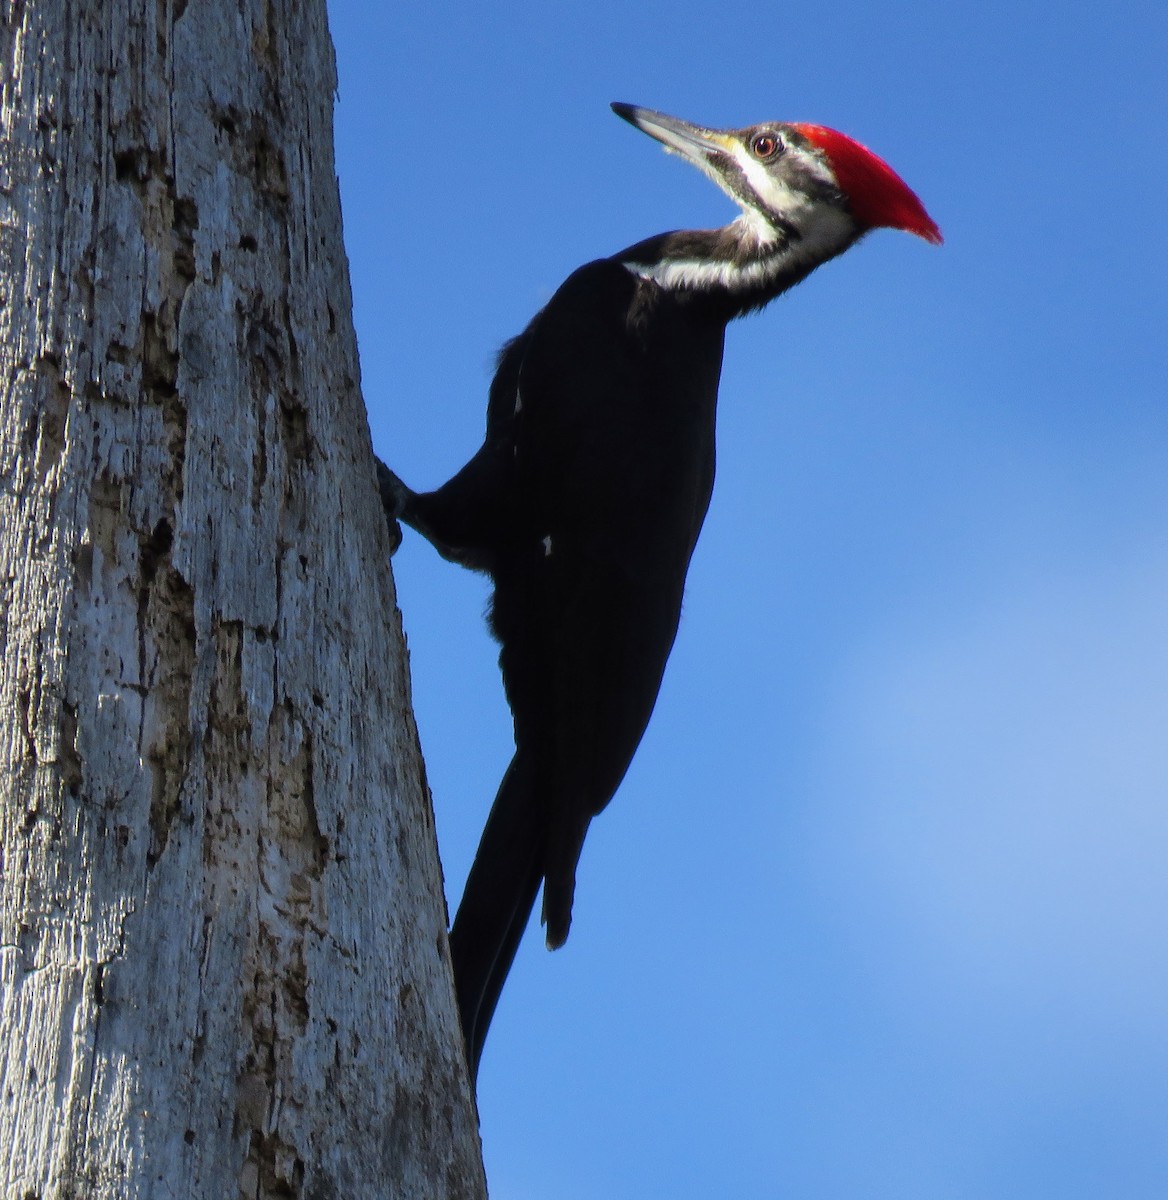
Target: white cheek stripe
(774,194)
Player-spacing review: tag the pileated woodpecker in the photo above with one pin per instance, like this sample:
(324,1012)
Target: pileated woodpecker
(586,499)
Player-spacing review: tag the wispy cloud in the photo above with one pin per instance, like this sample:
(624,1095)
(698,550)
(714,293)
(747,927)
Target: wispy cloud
(1005,772)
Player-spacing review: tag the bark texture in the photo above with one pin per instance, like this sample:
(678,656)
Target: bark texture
(223,965)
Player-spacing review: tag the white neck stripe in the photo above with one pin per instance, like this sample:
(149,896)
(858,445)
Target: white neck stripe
(706,274)
(772,263)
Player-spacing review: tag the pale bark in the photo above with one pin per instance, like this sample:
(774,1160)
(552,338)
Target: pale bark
(223,967)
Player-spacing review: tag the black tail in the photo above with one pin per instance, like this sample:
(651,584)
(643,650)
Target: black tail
(497,902)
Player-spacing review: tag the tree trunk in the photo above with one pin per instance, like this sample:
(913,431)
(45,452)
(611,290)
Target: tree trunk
(223,965)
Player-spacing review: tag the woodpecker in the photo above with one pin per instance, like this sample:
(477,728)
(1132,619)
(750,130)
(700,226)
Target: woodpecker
(585,501)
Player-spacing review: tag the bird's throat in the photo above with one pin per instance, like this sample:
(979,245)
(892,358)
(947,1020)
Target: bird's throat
(740,267)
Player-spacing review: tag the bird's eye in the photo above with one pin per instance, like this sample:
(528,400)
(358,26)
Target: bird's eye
(766,145)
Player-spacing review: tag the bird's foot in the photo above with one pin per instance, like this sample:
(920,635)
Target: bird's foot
(394,495)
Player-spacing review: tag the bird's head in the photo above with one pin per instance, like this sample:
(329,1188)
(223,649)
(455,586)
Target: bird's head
(806,193)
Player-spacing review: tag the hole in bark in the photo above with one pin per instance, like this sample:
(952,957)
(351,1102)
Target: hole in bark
(126,164)
(155,549)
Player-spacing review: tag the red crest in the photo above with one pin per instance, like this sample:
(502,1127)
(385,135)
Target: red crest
(878,195)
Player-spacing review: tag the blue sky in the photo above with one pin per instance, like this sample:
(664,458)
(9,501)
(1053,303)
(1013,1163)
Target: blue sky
(880,908)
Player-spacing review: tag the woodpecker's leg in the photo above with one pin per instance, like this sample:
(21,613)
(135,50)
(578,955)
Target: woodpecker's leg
(392,494)
(462,519)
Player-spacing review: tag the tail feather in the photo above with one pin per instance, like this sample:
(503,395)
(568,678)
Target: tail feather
(497,902)
(565,839)
(557,912)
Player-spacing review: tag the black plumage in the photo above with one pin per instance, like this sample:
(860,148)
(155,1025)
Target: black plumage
(584,505)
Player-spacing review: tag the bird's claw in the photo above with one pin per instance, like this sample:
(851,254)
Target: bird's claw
(393,501)
(395,535)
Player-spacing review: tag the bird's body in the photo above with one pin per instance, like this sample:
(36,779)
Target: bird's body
(586,500)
